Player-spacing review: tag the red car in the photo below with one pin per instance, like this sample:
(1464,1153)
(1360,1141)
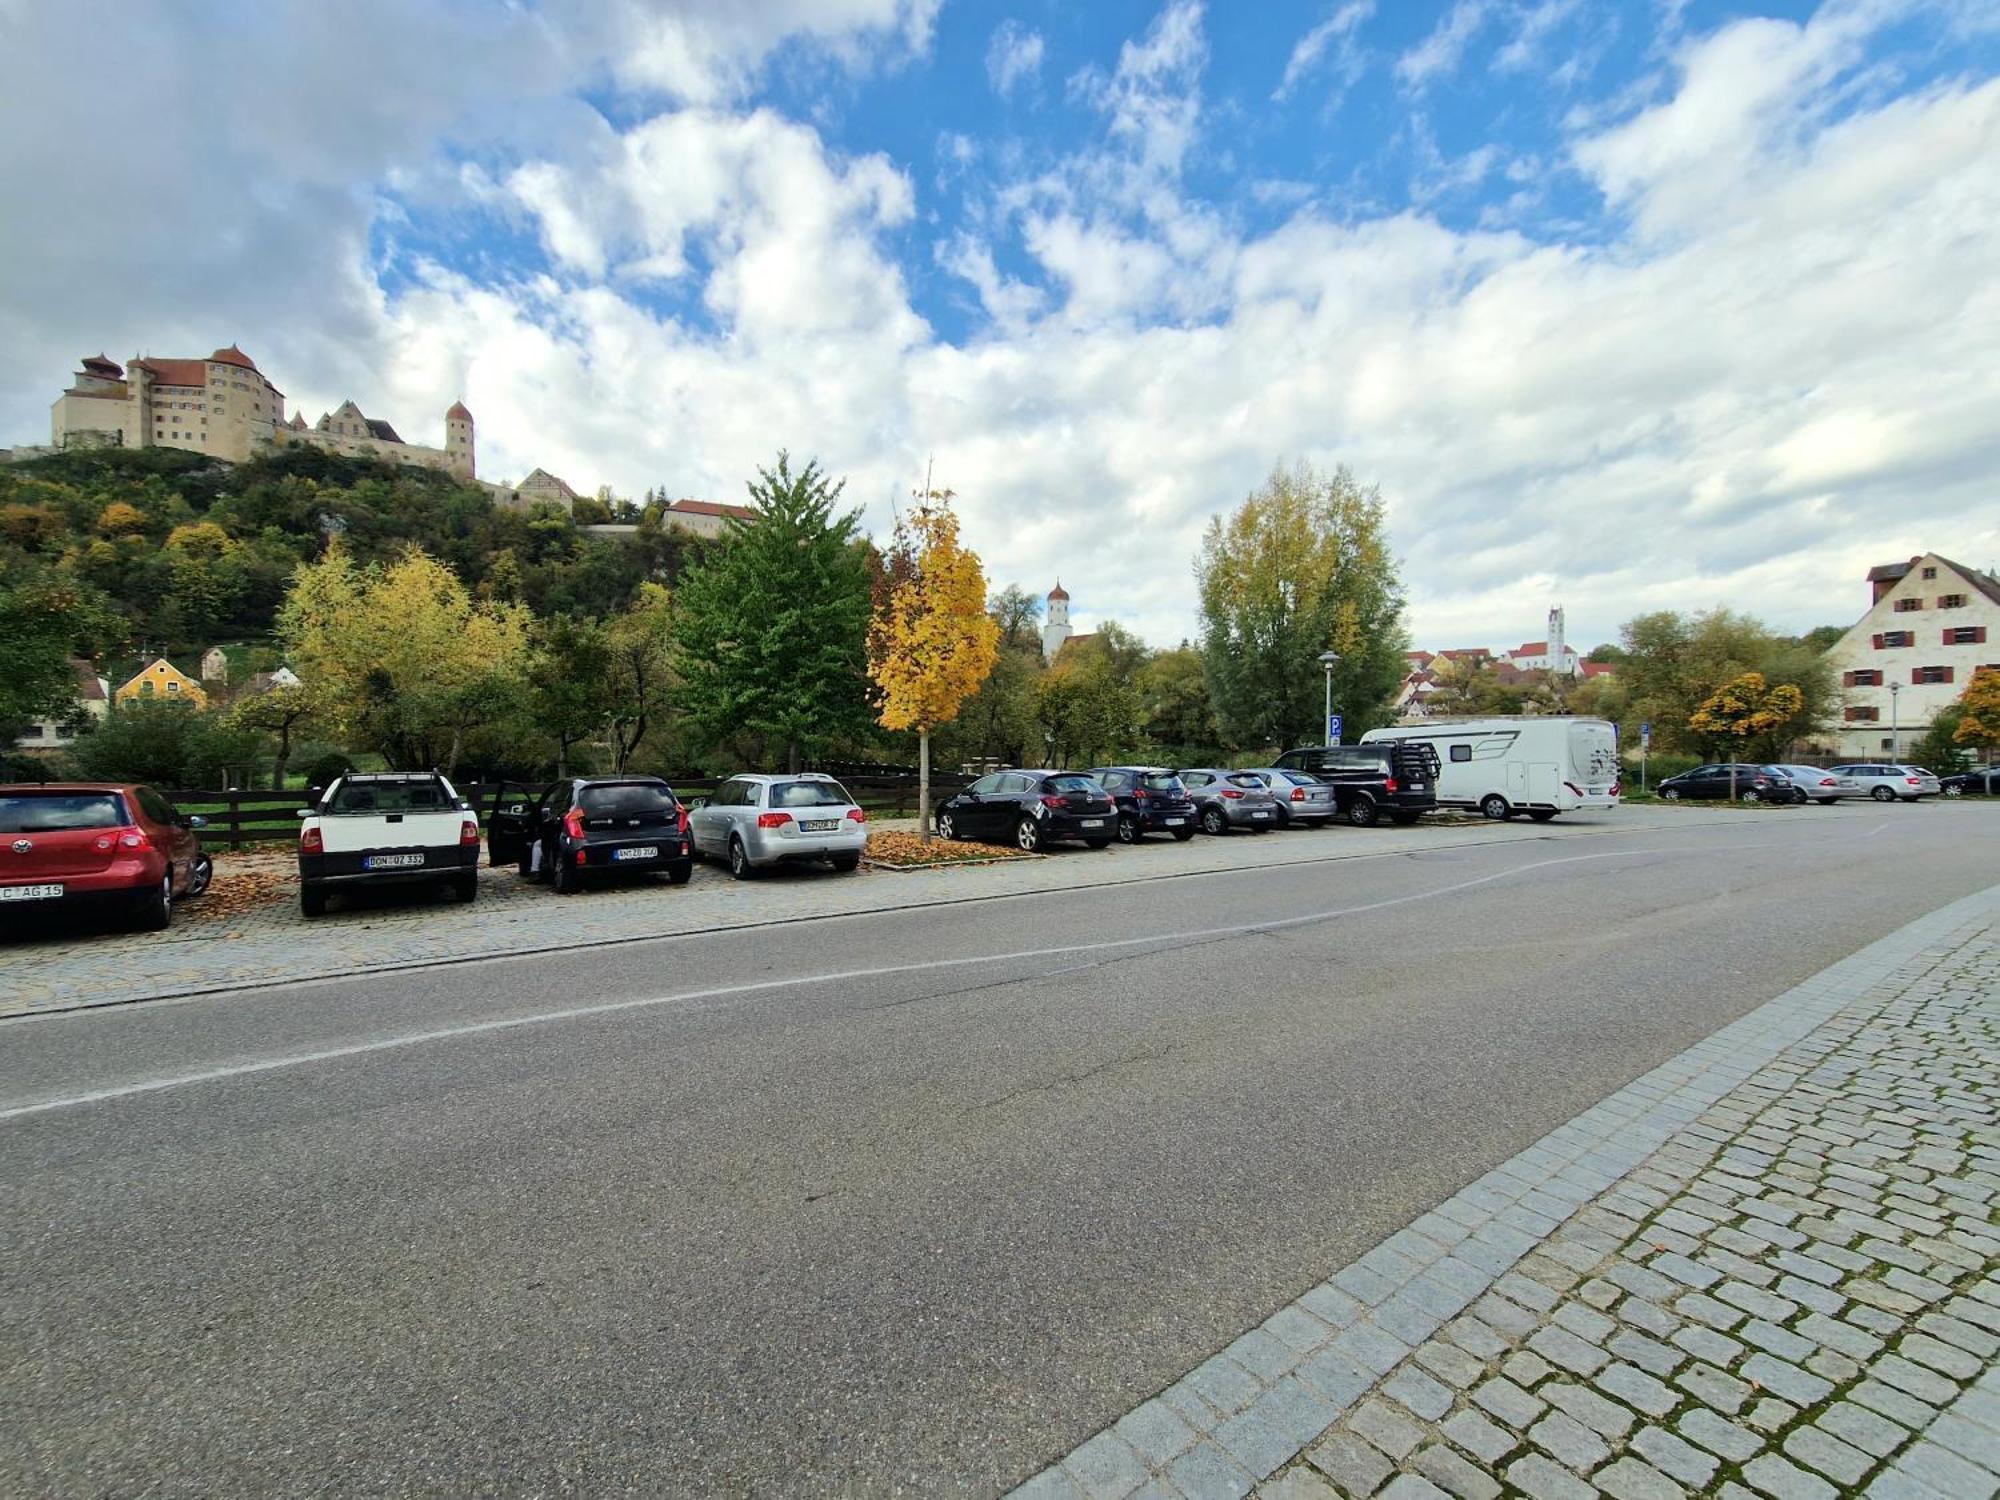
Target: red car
(69,846)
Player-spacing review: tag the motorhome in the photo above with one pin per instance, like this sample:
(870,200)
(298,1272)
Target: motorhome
(1538,765)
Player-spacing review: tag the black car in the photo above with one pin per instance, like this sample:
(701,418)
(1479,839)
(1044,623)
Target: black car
(1984,782)
(1396,779)
(1724,779)
(1150,799)
(1030,809)
(591,825)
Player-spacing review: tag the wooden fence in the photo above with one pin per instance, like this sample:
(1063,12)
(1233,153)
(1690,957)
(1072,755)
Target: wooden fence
(238,818)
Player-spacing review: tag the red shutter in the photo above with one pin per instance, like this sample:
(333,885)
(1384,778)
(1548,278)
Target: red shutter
(1878,640)
(1847,679)
(1979,635)
(1948,672)
(1948,640)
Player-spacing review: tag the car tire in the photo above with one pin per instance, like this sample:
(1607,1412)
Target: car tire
(1028,836)
(1671,794)
(465,889)
(1182,835)
(1363,812)
(947,827)
(846,864)
(1494,806)
(1883,794)
(1750,797)
(1541,814)
(312,900)
(155,909)
(680,872)
(1097,843)
(200,877)
(567,881)
(1128,829)
(1954,791)
(739,860)
(1213,822)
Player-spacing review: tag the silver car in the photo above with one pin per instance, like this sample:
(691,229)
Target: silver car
(1226,800)
(1814,783)
(755,822)
(1303,800)
(1886,782)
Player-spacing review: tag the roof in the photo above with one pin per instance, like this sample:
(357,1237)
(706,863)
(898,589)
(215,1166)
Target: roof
(1889,572)
(98,362)
(1986,583)
(543,479)
(233,356)
(712,508)
(457,409)
(1532,648)
(1464,653)
(1598,668)
(89,686)
(175,371)
(1058,592)
(382,429)
(157,661)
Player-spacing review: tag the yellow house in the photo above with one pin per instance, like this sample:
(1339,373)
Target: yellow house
(162,680)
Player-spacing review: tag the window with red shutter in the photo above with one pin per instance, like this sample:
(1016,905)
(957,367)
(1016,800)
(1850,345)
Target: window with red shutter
(1878,640)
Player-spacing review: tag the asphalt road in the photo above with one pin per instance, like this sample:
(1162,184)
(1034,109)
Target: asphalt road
(912,1200)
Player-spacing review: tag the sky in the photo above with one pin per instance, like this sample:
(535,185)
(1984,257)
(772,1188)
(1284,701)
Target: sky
(1623,306)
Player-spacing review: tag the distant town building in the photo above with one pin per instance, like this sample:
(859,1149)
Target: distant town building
(1931,623)
(705,517)
(92,699)
(1055,623)
(1552,655)
(215,665)
(161,679)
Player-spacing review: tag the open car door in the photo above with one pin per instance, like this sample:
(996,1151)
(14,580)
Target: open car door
(509,822)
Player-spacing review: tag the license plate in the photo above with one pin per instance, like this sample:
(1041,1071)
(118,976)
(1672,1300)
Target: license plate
(1093,822)
(1260,813)
(818,825)
(1175,822)
(392,861)
(649,851)
(30,892)
(1418,786)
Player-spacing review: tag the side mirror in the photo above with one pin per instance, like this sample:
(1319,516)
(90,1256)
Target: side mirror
(305,812)
(196,820)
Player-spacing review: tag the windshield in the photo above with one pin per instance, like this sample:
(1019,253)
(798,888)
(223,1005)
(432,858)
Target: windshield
(1161,781)
(56,812)
(808,794)
(627,801)
(1250,781)
(390,796)
(1299,778)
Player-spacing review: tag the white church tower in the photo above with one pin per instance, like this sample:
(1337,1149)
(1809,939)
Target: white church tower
(1558,653)
(1055,625)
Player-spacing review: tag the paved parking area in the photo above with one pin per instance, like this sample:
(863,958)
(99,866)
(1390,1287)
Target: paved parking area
(1769,1268)
(267,941)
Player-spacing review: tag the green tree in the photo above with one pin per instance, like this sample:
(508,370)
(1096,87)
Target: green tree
(46,618)
(170,744)
(281,711)
(1084,710)
(568,681)
(1018,613)
(641,670)
(1822,637)
(771,629)
(1675,662)
(1939,749)
(1176,713)
(1303,565)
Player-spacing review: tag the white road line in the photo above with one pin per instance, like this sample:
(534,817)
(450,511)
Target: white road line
(765,986)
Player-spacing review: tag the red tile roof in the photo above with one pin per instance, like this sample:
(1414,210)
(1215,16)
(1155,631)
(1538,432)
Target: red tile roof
(712,508)
(1599,668)
(233,356)
(1058,592)
(457,409)
(175,371)
(98,364)
(1532,648)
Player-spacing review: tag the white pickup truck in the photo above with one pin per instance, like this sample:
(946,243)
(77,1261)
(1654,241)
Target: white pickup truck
(378,828)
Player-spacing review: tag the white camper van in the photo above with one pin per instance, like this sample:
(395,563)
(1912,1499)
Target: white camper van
(1531,764)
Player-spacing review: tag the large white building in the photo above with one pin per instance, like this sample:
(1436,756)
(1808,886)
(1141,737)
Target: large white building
(1930,625)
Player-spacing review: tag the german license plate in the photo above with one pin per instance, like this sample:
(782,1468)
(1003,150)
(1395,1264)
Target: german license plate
(645,851)
(818,825)
(1261,813)
(1175,822)
(392,861)
(1093,822)
(1418,786)
(30,892)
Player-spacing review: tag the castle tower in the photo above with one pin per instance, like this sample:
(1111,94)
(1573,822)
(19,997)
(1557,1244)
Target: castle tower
(139,391)
(1557,651)
(458,441)
(1055,626)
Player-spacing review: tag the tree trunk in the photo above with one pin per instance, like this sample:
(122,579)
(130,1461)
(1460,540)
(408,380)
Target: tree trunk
(284,755)
(562,757)
(792,757)
(451,761)
(924,785)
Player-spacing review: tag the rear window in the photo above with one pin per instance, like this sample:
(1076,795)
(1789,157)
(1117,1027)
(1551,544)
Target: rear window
(1081,784)
(390,796)
(1249,781)
(1299,778)
(1161,781)
(56,812)
(627,801)
(808,794)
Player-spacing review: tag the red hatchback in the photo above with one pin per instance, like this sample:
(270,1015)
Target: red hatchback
(68,846)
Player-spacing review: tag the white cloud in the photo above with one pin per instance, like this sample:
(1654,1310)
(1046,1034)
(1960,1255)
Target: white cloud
(1014,56)
(1341,31)
(1438,54)
(1533,27)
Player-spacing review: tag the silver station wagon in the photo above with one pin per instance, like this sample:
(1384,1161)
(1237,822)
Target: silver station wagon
(754,822)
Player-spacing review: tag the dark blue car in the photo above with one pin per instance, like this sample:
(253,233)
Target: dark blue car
(1150,799)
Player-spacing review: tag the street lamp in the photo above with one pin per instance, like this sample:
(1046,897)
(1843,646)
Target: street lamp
(1895,689)
(1329,660)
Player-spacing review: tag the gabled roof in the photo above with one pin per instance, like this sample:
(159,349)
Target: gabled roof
(457,409)
(1532,648)
(1986,583)
(1598,668)
(89,686)
(382,429)
(175,371)
(1889,572)
(712,508)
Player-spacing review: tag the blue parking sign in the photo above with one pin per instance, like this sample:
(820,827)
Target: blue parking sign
(1333,729)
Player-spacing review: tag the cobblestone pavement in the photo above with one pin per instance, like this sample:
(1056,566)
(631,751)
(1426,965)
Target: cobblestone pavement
(1768,1268)
(76,966)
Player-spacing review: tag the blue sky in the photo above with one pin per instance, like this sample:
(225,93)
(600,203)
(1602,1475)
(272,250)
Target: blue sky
(1626,306)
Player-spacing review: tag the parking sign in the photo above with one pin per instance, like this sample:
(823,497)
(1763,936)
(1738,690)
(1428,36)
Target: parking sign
(1333,729)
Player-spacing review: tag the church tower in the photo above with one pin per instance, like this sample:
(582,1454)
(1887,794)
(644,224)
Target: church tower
(1558,651)
(458,440)
(1055,626)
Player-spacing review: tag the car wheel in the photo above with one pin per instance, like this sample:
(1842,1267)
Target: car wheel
(1541,814)
(1028,836)
(200,877)
(680,872)
(1495,806)
(1752,795)
(312,900)
(156,908)
(465,889)
(1362,812)
(1128,829)
(1883,794)
(739,860)
(1669,794)
(1182,835)
(947,827)
(1212,821)
(1097,843)
(847,864)
(1954,791)
(567,881)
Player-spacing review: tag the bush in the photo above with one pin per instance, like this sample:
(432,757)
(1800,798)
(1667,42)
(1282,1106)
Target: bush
(167,744)
(327,765)
(19,766)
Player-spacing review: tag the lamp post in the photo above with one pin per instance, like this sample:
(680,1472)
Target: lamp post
(1895,690)
(1329,660)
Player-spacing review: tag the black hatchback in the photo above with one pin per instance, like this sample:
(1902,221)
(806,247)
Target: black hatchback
(591,825)
(1030,809)
(1393,778)
(1150,799)
(1745,781)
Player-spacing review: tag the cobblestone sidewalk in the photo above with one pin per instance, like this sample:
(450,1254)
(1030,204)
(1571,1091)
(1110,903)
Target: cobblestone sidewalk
(1768,1268)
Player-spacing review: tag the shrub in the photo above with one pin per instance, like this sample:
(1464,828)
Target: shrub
(167,744)
(323,768)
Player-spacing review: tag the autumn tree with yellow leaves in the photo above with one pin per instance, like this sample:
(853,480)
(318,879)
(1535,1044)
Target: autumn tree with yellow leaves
(1748,711)
(931,642)
(1979,710)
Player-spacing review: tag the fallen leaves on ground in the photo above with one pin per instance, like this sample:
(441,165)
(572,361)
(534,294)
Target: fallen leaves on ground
(908,851)
(243,883)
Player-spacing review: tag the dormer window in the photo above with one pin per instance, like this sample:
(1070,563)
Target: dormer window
(1929,574)
(1904,606)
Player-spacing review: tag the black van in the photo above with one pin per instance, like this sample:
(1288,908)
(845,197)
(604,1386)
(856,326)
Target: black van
(1394,779)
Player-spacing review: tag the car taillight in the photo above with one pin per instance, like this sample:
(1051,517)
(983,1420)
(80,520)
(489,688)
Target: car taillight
(134,838)
(1913,781)
(468,833)
(1616,789)
(1828,781)
(683,826)
(1138,794)
(1231,793)
(573,822)
(856,815)
(1055,802)
(310,842)
(1391,784)
(1298,794)
(773,820)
